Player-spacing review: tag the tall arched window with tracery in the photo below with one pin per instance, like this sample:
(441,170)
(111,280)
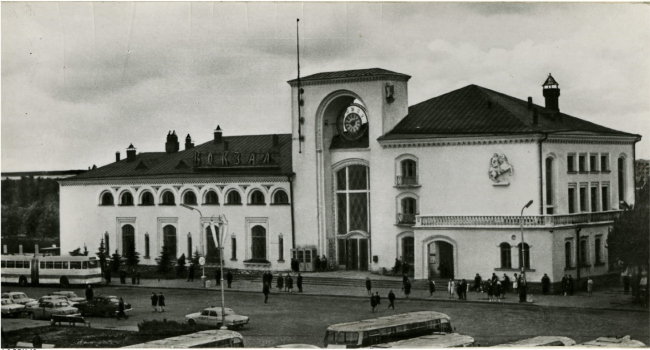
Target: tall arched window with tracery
(352,199)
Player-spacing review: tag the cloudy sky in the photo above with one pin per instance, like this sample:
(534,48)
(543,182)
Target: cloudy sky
(82,80)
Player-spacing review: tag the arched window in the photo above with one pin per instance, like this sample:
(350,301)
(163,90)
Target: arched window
(568,252)
(258,246)
(621,179)
(108,245)
(257,198)
(107,199)
(549,186)
(128,239)
(189,246)
(408,211)
(212,252)
(189,198)
(409,172)
(211,198)
(147,198)
(168,198)
(127,199)
(597,250)
(352,191)
(408,250)
(506,256)
(233,198)
(146,246)
(280,197)
(524,256)
(169,240)
(584,253)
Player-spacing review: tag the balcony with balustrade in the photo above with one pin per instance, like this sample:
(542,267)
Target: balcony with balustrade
(405,219)
(514,220)
(406,181)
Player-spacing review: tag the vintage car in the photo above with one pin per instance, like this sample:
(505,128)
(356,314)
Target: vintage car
(35,303)
(10,308)
(103,305)
(212,317)
(47,308)
(18,297)
(71,296)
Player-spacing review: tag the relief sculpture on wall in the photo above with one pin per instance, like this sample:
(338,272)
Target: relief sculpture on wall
(498,166)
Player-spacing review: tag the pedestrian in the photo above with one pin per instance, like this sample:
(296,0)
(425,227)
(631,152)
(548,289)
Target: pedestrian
(626,284)
(463,288)
(373,302)
(190,275)
(368,285)
(37,342)
(505,285)
(154,301)
(515,284)
(523,288)
(217,277)
(161,302)
(546,282)
(299,283)
(229,278)
(571,285)
(407,288)
(89,292)
(590,285)
(565,284)
(494,278)
(498,290)
(266,290)
(404,279)
(391,300)
(459,290)
(107,276)
(451,288)
(137,276)
(120,310)
(398,267)
(490,289)
(477,283)
(289,283)
(323,263)
(280,284)
(378,298)
(317,263)
(432,287)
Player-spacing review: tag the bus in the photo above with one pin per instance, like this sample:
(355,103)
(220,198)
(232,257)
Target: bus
(214,338)
(453,340)
(386,329)
(613,342)
(540,341)
(63,270)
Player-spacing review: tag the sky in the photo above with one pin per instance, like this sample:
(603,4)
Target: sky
(82,80)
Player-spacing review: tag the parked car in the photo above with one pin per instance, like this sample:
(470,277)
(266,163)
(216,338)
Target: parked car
(47,308)
(35,303)
(71,296)
(105,305)
(10,308)
(212,317)
(18,297)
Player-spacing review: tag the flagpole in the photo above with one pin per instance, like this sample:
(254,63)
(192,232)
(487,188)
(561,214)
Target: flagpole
(298,91)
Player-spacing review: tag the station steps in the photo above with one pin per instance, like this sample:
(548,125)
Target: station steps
(396,284)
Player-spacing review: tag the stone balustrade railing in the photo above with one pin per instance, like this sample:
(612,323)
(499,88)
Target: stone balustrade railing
(514,220)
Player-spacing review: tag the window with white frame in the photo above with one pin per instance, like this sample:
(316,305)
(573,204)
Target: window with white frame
(593,162)
(126,199)
(604,195)
(621,179)
(584,252)
(550,194)
(598,250)
(571,163)
(604,162)
(582,162)
(189,198)
(211,198)
(572,196)
(568,255)
(352,199)
(584,198)
(594,198)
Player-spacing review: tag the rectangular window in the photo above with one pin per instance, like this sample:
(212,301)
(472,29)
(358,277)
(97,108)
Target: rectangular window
(594,198)
(572,199)
(75,265)
(308,256)
(621,180)
(604,195)
(584,253)
(582,163)
(233,248)
(583,198)
(593,162)
(12,264)
(549,181)
(58,265)
(571,163)
(358,212)
(598,251)
(568,253)
(280,248)
(49,265)
(19,264)
(604,162)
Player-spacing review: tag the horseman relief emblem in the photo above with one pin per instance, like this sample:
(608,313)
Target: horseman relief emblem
(498,166)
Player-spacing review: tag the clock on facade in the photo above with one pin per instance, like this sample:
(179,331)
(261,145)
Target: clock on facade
(353,122)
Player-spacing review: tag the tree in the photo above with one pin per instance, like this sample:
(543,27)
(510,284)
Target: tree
(165,263)
(101,254)
(629,240)
(131,258)
(116,261)
(180,266)
(196,257)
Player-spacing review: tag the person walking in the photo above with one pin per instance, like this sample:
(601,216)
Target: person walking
(505,286)
(407,288)
(120,310)
(404,279)
(217,277)
(368,285)
(154,301)
(89,292)
(280,283)
(494,278)
(317,263)
(477,282)
(463,290)
(432,287)
(323,263)
(266,290)
(229,278)
(498,289)
(299,283)
(373,302)
(391,300)
(459,290)
(161,302)
(590,286)
(570,285)
(378,298)
(546,282)
(289,283)
(451,288)
(190,275)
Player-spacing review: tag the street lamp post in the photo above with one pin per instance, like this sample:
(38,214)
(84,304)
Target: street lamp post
(223,224)
(521,250)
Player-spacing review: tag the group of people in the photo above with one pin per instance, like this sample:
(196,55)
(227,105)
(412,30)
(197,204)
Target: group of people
(375,300)
(229,278)
(284,283)
(320,264)
(567,285)
(401,266)
(158,301)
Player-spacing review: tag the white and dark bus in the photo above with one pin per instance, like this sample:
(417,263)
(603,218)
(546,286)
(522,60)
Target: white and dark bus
(214,338)
(62,270)
(386,329)
(431,341)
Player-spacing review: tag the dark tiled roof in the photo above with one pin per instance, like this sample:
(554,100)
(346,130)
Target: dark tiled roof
(477,110)
(357,73)
(181,163)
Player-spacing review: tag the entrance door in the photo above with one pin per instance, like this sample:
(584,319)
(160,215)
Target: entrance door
(363,254)
(433,261)
(352,252)
(446,252)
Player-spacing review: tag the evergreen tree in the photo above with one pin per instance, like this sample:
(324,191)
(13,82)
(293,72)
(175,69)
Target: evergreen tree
(132,258)
(101,254)
(116,261)
(165,263)
(629,240)
(196,257)
(180,266)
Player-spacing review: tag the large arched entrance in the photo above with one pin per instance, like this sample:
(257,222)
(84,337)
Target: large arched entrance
(441,262)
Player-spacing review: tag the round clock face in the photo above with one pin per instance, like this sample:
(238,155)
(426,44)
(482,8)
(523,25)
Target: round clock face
(353,122)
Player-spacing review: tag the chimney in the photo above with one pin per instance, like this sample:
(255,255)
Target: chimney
(117,157)
(530,103)
(276,141)
(130,153)
(171,146)
(188,142)
(551,91)
(225,145)
(535,117)
(217,135)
